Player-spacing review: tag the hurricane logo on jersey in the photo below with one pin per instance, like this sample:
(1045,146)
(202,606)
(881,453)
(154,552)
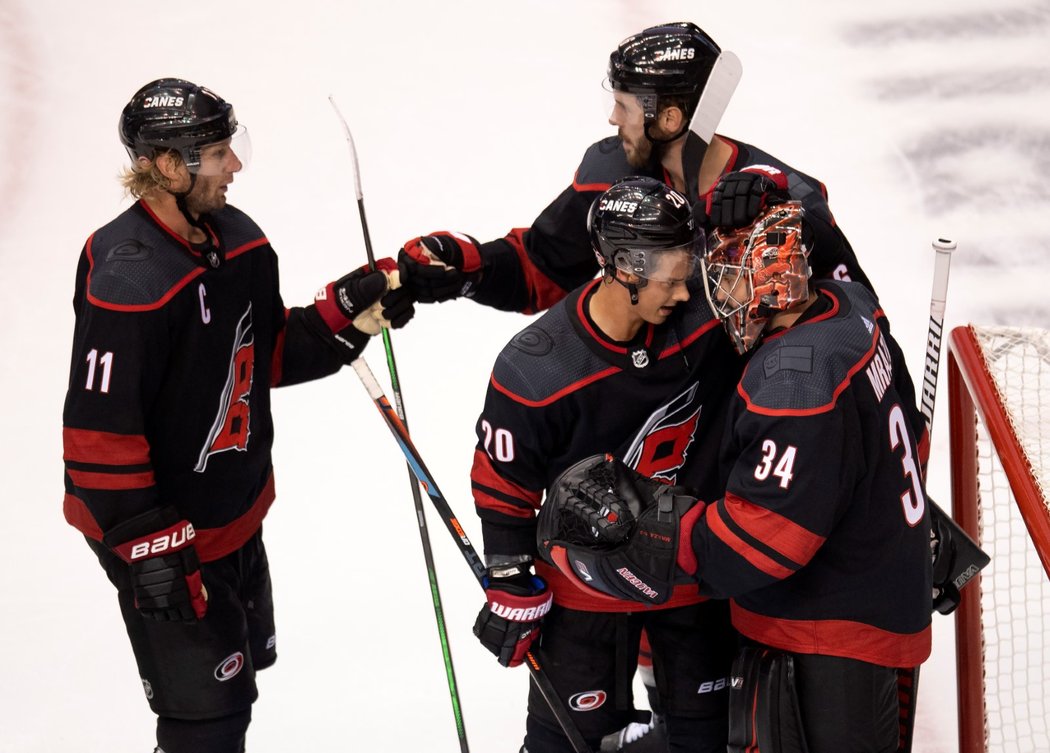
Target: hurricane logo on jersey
(232,426)
(661,446)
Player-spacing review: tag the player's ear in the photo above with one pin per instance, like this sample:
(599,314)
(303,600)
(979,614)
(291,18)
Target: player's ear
(671,119)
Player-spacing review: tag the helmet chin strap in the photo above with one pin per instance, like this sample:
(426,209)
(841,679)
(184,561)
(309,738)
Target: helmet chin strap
(211,253)
(632,288)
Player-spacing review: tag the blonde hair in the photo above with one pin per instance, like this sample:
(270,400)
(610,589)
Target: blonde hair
(144,177)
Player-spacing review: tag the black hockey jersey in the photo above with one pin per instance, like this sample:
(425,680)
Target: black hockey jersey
(169,390)
(561,391)
(531,268)
(822,536)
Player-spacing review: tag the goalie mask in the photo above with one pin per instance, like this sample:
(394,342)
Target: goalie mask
(756,272)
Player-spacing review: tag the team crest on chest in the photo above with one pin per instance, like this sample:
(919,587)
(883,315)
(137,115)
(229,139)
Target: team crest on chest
(232,426)
(661,446)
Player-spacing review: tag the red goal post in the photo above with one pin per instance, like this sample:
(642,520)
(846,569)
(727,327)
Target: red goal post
(999,412)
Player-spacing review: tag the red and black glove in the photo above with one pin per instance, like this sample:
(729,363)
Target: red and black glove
(509,622)
(616,533)
(357,306)
(739,197)
(440,266)
(165,571)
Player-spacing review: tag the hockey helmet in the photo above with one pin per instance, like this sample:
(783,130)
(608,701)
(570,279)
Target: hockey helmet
(673,59)
(637,221)
(171,114)
(755,272)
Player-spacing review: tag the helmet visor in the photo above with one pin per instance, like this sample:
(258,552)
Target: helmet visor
(223,157)
(669,266)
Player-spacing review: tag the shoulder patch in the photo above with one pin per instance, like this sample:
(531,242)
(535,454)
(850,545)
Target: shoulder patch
(546,361)
(133,265)
(805,369)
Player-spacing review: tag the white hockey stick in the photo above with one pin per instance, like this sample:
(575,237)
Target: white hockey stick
(943,247)
(725,75)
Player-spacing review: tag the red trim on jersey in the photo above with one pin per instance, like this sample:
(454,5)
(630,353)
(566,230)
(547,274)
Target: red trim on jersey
(277,361)
(557,395)
(787,537)
(216,543)
(757,559)
(846,638)
(111,481)
(77,515)
(763,411)
(103,447)
(211,543)
(483,473)
(700,332)
(686,555)
(570,596)
(581,187)
(178,286)
(597,336)
(541,290)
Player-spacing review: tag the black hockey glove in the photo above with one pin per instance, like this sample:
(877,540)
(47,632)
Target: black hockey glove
(509,622)
(357,306)
(956,559)
(739,197)
(165,571)
(610,529)
(440,266)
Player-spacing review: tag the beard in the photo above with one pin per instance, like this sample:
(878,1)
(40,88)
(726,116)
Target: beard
(205,197)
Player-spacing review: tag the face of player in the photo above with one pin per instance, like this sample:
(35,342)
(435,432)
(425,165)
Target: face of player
(629,118)
(666,286)
(219,162)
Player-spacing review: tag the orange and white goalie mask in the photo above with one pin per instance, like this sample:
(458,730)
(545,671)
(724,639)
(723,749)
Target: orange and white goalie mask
(752,273)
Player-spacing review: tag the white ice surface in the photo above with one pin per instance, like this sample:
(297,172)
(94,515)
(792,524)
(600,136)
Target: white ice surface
(923,119)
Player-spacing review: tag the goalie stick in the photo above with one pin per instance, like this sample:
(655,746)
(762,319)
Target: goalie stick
(424,536)
(415,462)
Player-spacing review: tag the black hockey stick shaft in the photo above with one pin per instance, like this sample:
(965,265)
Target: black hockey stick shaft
(426,480)
(424,536)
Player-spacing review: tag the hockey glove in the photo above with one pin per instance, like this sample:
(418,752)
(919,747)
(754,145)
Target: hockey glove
(440,266)
(509,622)
(739,197)
(165,571)
(359,305)
(611,530)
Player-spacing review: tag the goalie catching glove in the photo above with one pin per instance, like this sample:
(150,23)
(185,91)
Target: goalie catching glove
(440,266)
(610,529)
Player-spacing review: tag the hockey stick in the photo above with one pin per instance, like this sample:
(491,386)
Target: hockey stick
(943,247)
(415,462)
(424,536)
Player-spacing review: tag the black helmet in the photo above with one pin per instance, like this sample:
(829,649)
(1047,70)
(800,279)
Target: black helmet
(673,59)
(173,114)
(635,220)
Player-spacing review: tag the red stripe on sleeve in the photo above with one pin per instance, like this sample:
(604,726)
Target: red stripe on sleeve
(103,447)
(542,290)
(787,537)
(78,516)
(112,481)
(741,547)
(484,474)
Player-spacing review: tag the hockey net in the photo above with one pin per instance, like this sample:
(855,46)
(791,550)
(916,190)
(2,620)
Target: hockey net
(999,402)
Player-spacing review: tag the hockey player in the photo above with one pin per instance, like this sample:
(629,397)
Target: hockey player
(180,334)
(656,78)
(636,362)
(821,538)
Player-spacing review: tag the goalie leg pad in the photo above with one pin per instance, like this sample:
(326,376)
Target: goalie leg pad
(763,703)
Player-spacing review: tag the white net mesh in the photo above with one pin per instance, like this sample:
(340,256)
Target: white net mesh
(1015,589)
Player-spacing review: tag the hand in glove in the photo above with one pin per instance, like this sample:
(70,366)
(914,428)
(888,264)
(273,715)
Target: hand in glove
(165,571)
(509,622)
(440,266)
(739,197)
